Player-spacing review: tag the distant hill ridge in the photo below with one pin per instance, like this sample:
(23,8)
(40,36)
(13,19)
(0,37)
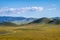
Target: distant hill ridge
(8,19)
(12,21)
(55,20)
(15,20)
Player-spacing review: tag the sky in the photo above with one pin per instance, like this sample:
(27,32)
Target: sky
(30,8)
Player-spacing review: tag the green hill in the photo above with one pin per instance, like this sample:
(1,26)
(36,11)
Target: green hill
(46,21)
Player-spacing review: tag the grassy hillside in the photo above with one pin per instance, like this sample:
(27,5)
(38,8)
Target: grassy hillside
(31,32)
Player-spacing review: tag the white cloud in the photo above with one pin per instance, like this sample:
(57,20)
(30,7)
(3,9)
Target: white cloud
(33,9)
(38,8)
(52,9)
(12,9)
(21,10)
(4,9)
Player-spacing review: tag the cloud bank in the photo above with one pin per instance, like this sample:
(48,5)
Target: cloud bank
(21,10)
(17,11)
(51,9)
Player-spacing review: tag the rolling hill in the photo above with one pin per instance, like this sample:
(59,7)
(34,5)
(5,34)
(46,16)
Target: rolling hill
(45,20)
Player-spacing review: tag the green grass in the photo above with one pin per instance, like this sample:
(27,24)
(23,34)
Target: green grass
(31,32)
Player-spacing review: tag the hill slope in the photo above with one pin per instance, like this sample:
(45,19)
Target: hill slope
(47,20)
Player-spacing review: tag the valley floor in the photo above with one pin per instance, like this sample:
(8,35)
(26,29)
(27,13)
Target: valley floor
(30,32)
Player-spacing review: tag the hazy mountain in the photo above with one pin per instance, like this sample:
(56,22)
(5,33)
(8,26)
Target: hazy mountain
(25,21)
(8,19)
(15,20)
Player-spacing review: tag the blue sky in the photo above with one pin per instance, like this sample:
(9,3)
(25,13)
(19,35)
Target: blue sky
(30,8)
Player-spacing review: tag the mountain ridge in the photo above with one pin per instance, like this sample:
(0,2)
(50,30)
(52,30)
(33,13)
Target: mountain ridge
(23,20)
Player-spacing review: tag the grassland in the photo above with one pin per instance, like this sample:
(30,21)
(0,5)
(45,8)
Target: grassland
(30,32)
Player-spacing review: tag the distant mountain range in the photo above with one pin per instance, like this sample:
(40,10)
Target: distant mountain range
(12,21)
(8,19)
(15,20)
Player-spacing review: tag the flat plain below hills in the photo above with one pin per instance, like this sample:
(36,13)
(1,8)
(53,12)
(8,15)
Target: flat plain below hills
(30,32)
